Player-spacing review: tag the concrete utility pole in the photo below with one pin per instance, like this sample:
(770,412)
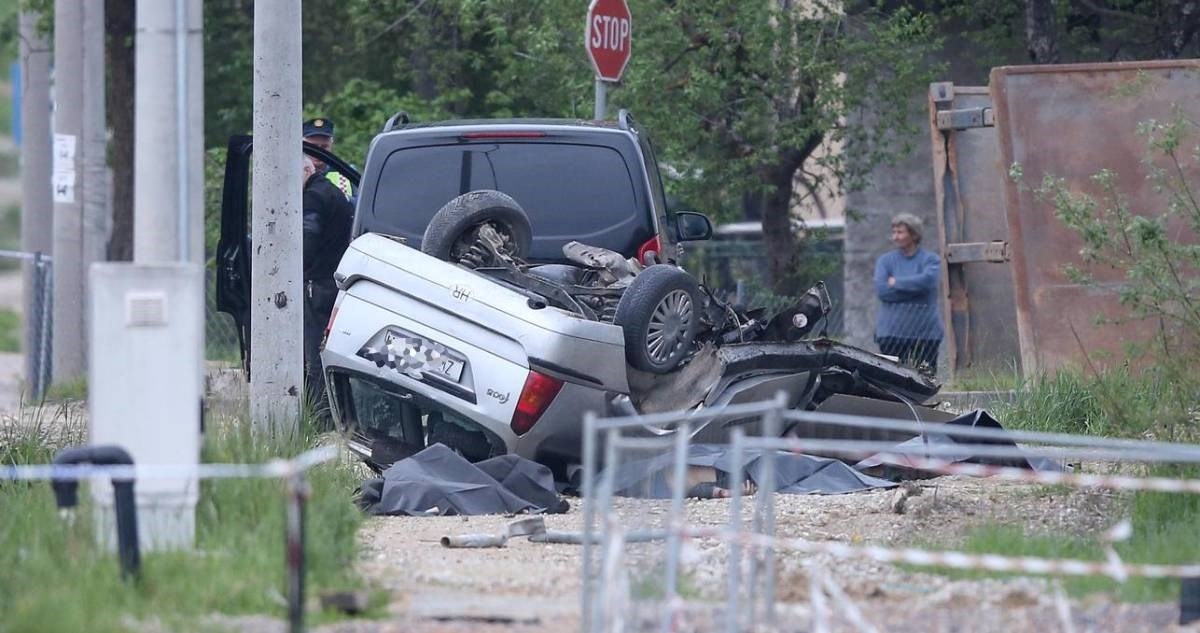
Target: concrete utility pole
(276,293)
(37,209)
(70,349)
(143,400)
(168,188)
(95,218)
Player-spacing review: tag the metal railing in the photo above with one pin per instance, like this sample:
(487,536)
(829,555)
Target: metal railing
(292,471)
(749,597)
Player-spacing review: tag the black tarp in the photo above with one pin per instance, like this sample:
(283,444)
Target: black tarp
(794,474)
(902,466)
(439,481)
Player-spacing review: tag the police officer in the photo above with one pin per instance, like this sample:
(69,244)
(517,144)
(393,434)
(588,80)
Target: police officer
(319,132)
(328,214)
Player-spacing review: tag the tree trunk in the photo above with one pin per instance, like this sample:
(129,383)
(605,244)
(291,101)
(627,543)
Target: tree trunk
(1041,33)
(1182,22)
(120,22)
(778,237)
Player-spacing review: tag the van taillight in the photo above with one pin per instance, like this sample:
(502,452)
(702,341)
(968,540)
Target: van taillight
(539,391)
(652,245)
(332,316)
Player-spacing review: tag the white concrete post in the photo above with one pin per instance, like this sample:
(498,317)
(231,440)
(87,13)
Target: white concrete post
(145,390)
(276,292)
(147,363)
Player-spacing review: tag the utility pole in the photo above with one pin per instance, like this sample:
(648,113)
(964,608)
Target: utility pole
(93,142)
(146,367)
(69,357)
(168,188)
(276,293)
(36,206)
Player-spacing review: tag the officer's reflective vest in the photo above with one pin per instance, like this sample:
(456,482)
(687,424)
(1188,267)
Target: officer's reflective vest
(341,182)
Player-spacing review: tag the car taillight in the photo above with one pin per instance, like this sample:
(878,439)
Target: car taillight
(332,316)
(652,245)
(538,393)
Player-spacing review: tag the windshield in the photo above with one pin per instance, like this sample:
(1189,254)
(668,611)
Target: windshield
(578,192)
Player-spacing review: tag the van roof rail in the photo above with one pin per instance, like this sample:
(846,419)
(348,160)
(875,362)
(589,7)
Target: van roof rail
(397,120)
(624,119)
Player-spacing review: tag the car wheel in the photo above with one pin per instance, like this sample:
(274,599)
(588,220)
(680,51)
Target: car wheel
(660,315)
(455,230)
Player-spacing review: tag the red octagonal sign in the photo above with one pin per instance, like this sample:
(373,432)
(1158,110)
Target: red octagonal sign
(607,37)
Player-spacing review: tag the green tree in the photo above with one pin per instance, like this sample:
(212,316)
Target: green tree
(741,96)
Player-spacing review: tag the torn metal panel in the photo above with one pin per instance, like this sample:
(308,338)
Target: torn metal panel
(842,404)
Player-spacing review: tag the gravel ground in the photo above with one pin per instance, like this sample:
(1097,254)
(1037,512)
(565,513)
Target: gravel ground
(535,587)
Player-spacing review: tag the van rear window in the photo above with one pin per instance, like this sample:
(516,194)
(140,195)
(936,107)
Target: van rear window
(570,191)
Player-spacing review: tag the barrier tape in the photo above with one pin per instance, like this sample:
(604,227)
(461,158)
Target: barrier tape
(275,469)
(1113,568)
(1080,480)
(919,428)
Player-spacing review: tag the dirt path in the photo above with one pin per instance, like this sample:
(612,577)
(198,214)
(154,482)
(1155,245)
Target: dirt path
(535,587)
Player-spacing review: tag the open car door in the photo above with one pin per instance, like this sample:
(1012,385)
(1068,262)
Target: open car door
(233,247)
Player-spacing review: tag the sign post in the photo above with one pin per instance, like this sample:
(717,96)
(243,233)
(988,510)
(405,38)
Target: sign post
(607,36)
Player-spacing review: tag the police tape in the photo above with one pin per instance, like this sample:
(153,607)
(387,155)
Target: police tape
(918,428)
(1079,480)
(933,446)
(274,469)
(1113,567)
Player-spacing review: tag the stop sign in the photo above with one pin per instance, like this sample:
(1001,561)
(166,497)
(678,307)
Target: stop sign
(607,37)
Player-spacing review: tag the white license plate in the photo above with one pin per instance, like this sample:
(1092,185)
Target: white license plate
(418,353)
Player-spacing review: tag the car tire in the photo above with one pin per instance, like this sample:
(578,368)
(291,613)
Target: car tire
(471,209)
(660,314)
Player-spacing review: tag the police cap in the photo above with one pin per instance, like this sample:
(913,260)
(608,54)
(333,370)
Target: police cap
(318,127)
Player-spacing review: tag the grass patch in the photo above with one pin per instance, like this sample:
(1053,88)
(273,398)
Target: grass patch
(56,579)
(1118,402)
(993,380)
(1164,532)
(10,331)
(73,390)
(10,235)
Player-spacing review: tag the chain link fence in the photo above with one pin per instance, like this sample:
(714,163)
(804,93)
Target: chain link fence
(220,332)
(911,332)
(37,313)
(738,270)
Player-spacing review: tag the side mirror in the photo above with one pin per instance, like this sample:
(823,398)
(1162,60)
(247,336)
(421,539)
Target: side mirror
(691,226)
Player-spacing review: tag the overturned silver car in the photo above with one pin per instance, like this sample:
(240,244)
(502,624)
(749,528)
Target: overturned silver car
(466,343)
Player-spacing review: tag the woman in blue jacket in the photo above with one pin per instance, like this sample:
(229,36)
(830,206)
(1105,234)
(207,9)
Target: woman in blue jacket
(907,282)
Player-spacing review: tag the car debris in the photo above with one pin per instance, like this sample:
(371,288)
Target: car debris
(521,527)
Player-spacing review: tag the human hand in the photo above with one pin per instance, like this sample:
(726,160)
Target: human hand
(891,281)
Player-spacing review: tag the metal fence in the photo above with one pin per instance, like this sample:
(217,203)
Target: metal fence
(37,344)
(738,268)
(619,594)
(293,471)
(220,331)
(910,331)
(37,312)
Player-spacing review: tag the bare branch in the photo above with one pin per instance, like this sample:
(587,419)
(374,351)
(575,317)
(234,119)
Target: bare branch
(395,25)
(1114,13)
